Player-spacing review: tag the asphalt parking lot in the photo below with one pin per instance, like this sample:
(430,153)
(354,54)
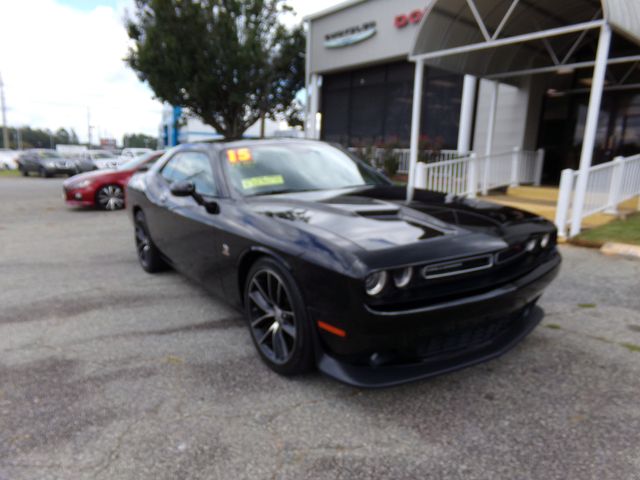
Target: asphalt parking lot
(108,372)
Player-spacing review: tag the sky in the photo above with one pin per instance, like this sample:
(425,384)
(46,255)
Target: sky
(62,66)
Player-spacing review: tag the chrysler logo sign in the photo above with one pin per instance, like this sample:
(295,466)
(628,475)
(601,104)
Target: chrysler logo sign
(350,36)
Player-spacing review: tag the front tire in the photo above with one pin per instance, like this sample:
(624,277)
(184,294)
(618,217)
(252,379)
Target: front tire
(24,172)
(44,173)
(148,254)
(277,318)
(110,197)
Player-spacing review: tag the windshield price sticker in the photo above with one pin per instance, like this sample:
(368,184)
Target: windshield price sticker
(239,155)
(265,181)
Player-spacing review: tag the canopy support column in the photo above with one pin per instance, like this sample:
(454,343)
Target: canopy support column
(466,113)
(588,144)
(415,126)
(491,127)
(313,128)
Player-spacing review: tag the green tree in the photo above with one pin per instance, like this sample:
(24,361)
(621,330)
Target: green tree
(139,140)
(230,62)
(62,137)
(73,137)
(38,138)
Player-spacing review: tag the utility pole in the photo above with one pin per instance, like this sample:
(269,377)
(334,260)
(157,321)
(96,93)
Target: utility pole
(88,127)
(5,128)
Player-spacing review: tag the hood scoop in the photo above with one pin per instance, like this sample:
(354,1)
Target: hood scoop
(380,213)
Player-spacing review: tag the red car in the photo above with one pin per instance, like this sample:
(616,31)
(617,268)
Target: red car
(105,188)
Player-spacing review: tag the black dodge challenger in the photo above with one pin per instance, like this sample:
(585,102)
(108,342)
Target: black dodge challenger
(333,268)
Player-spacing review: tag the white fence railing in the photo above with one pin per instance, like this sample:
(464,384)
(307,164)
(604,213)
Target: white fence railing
(376,156)
(608,184)
(470,175)
(450,176)
(430,156)
(450,171)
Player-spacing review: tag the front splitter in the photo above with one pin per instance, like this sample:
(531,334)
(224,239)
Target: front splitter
(392,375)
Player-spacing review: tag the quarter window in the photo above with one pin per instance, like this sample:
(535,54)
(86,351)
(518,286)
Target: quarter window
(191,166)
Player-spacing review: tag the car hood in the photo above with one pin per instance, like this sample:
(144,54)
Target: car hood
(368,222)
(379,220)
(97,174)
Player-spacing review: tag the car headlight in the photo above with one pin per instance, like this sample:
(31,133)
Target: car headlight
(51,164)
(375,283)
(82,184)
(530,246)
(402,277)
(546,239)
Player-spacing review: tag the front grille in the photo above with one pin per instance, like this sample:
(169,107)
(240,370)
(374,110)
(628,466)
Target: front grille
(467,336)
(457,267)
(474,335)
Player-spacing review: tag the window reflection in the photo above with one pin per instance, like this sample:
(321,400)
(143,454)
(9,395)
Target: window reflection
(373,106)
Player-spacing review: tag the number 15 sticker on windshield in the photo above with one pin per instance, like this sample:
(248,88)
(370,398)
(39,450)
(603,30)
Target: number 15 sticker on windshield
(239,155)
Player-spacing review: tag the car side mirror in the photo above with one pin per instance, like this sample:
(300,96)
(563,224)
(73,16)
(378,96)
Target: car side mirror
(188,189)
(182,189)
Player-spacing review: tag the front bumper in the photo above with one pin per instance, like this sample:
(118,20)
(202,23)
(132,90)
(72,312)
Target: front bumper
(405,346)
(79,197)
(61,169)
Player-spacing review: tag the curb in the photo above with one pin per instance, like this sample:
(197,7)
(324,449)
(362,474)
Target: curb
(622,249)
(578,242)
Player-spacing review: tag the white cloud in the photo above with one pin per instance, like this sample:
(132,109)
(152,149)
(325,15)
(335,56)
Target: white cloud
(57,61)
(307,7)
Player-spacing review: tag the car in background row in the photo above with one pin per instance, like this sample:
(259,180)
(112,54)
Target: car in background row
(102,159)
(83,163)
(105,188)
(8,159)
(131,153)
(45,163)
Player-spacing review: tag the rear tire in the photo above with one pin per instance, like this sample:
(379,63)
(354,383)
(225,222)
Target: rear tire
(148,254)
(277,318)
(24,172)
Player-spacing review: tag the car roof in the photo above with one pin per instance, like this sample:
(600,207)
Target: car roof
(224,144)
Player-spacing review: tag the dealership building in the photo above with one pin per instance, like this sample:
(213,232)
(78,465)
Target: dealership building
(514,74)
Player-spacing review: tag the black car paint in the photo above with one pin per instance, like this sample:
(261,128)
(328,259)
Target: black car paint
(331,240)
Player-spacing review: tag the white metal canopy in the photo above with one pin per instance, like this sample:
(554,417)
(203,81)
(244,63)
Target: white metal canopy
(502,39)
(491,37)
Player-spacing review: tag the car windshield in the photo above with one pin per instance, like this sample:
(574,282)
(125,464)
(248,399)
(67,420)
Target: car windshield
(295,167)
(137,161)
(48,155)
(102,155)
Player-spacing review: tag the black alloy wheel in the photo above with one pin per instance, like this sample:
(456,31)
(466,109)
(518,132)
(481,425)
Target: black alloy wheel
(44,173)
(277,318)
(110,197)
(148,254)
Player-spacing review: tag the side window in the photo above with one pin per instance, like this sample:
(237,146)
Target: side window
(194,167)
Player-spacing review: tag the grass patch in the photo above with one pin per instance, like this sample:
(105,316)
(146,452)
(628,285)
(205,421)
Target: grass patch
(587,305)
(622,231)
(553,326)
(9,173)
(632,347)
